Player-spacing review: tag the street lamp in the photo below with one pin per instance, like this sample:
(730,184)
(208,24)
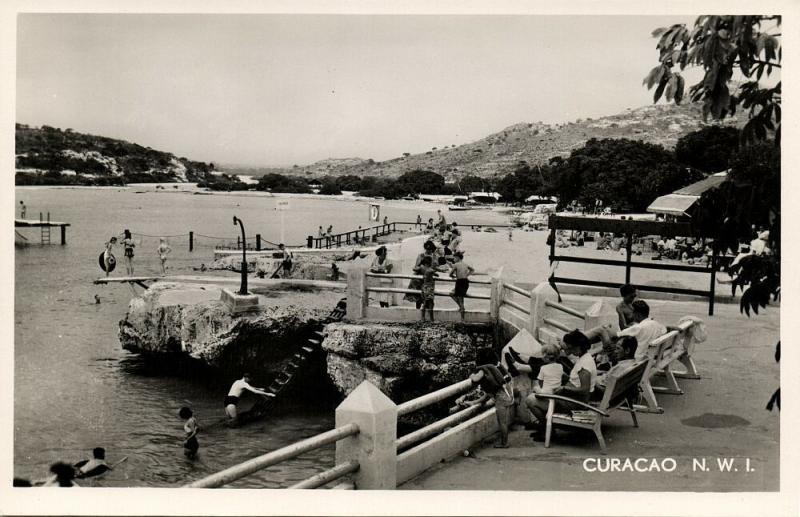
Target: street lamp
(243,289)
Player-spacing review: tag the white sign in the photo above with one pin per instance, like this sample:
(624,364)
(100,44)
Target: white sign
(374,212)
(282,204)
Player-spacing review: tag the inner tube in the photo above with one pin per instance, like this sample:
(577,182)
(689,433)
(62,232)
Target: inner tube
(112,262)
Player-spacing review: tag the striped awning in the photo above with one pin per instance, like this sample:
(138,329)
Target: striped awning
(672,204)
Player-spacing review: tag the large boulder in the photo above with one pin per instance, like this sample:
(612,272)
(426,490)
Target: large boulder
(190,320)
(405,360)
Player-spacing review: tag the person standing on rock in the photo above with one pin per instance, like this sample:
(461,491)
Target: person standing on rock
(237,388)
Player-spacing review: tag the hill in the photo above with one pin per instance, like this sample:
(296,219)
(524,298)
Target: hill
(48,156)
(533,142)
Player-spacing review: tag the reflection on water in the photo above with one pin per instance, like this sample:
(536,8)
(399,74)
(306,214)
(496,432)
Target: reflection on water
(75,388)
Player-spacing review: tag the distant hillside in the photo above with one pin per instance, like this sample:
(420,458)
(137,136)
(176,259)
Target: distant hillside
(51,156)
(499,153)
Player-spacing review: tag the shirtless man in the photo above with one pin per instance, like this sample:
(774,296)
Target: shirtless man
(237,388)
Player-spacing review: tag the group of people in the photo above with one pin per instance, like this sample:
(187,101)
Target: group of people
(570,369)
(128,244)
(64,475)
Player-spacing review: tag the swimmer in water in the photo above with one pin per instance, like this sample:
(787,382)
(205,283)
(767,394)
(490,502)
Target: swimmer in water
(190,443)
(95,466)
(97,299)
(237,388)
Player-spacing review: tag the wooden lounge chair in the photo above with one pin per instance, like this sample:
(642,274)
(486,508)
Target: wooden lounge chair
(621,391)
(675,345)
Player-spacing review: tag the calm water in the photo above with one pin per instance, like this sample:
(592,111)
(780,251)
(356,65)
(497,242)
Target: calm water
(75,388)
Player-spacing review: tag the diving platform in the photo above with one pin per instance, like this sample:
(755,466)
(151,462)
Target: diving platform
(45,225)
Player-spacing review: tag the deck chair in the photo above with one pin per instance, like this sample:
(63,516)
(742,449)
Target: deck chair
(621,391)
(675,345)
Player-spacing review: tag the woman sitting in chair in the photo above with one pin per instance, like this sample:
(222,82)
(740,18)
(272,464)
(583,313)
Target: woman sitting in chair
(581,383)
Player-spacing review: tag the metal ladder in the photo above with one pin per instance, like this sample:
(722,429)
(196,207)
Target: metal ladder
(287,375)
(45,230)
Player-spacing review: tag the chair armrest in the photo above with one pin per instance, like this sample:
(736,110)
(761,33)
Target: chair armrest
(571,401)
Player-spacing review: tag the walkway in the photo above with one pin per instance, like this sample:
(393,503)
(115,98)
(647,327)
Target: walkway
(720,416)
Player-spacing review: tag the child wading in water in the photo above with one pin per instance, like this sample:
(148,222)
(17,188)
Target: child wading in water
(428,273)
(460,272)
(190,443)
(163,250)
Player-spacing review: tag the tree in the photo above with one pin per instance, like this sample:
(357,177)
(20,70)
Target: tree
(624,174)
(721,45)
(470,183)
(708,149)
(420,182)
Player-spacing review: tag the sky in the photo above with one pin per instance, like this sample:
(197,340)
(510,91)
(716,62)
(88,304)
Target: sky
(293,89)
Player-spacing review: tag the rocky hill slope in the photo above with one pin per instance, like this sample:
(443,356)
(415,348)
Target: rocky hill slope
(49,155)
(533,142)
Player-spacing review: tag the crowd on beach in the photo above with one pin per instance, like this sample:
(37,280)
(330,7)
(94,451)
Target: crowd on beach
(441,253)
(574,369)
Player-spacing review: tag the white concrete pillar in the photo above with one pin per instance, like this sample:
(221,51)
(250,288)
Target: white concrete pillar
(357,298)
(496,294)
(374,446)
(541,293)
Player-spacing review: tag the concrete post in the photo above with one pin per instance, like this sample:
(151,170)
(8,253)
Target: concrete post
(374,446)
(496,294)
(541,293)
(357,296)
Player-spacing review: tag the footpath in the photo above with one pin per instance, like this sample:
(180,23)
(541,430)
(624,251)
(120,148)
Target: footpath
(720,418)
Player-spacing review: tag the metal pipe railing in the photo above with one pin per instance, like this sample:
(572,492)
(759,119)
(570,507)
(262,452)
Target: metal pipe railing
(557,324)
(434,397)
(406,441)
(518,290)
(564,308)
(516,306)
(248,467)
(323,478)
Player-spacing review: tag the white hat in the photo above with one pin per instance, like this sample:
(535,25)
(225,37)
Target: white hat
(764,235)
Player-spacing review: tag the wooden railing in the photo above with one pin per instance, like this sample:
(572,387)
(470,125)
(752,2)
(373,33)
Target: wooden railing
(361,235)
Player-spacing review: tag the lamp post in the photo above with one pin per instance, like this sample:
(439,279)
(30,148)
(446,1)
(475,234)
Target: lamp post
(243,289)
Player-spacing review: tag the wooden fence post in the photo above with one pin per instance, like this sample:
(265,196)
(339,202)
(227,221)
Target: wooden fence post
(258,242)
(496,295)
(191,241)
(374,446)
(310,241)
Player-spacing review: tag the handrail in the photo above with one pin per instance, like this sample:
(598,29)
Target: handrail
(401,290)
(323,478)
(266,460)
(336,238)
(516,306)
(419,277)
(519,290)
(683,327)
(433,397)
(564,308)
(423,433)
(556,324)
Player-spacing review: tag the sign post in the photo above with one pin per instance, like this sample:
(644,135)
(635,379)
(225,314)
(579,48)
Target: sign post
(282,205)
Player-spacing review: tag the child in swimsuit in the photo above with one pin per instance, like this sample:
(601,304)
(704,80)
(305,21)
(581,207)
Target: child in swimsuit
(163,250)
(428,273)
(190,443)
(460,272)
(128,243)
(107,255)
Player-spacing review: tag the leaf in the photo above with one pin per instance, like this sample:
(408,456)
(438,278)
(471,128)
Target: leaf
(671,84)
(679,89)
(658,32)
(653,77)
(660,89)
